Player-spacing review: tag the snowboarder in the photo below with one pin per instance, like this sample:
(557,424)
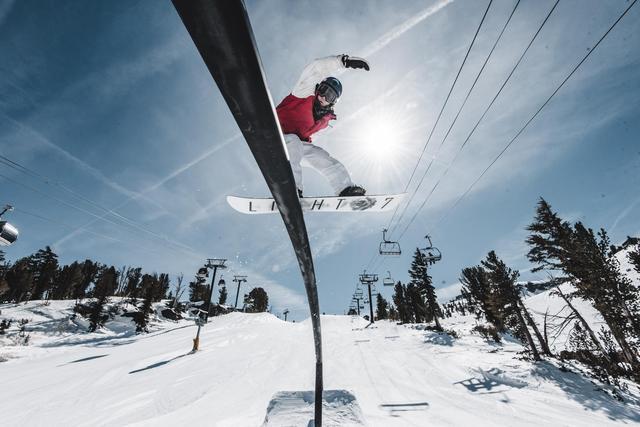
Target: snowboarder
(307,110)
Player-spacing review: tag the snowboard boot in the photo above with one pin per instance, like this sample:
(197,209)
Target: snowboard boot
(352,190)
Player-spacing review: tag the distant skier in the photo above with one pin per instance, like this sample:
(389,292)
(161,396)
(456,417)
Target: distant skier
(307,110)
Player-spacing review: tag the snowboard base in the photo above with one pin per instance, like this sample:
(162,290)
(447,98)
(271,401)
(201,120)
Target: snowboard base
(372,203)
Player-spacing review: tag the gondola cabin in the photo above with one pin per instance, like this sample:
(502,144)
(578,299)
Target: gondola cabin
(8,233)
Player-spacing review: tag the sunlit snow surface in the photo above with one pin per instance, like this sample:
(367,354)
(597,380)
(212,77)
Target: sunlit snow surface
(399,375)
(255,369)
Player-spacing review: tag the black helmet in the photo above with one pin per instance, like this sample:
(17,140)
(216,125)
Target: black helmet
(330,88)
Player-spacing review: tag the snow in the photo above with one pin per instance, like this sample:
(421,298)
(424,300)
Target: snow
(255,369)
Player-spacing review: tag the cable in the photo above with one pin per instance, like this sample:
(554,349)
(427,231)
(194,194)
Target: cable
(74,206)
(12,164)
(424,148)
(546,19)
(461,108)
(538,111)
(406,205)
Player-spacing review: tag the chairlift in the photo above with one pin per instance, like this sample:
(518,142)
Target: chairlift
(8,233)
(203,273)
(388,281)
(388,247)
(431,253)
(221,283)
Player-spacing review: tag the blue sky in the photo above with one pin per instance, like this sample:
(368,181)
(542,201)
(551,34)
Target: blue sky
(112,104)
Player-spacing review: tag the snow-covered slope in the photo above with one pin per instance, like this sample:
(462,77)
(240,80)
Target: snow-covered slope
(400,376)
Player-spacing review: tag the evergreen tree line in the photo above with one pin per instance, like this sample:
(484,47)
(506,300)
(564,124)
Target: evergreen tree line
(39,276)
(256,301)
(569,253)
(574,253)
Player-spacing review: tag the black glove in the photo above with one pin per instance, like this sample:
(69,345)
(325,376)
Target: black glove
(354,62)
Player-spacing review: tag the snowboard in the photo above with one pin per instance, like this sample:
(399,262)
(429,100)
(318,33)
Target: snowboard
(366,203)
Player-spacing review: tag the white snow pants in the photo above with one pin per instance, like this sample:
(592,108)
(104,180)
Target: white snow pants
(317,158)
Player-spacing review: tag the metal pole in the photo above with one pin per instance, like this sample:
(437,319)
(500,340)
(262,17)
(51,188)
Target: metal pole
(213,279)
(235,306)
(238,279)
(211,263)
(370,303)
(368,279)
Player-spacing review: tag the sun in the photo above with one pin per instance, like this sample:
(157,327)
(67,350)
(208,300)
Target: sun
(379,140)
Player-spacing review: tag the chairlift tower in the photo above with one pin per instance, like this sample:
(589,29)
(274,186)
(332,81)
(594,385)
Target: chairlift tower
(215,263)
(285,312)
(239,280)
(369,279)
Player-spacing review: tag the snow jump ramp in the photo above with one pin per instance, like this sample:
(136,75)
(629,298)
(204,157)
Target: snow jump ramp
(295,409)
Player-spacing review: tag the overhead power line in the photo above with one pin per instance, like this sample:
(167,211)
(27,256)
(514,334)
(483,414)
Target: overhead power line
(12,164)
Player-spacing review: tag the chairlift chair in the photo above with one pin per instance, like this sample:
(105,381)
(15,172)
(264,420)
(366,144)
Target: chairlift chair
(388,247)
(8,233)
(388,281)
(431,253)
(203,273)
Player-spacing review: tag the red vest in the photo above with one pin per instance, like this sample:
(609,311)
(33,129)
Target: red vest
(296,116)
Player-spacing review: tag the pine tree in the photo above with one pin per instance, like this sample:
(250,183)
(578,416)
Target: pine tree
(163,285)
(590,265)
(257,301)
(393,313)
(198,290)
(222,299)
(90,270)
(132,288)
(552,244)
(105,285)
(400,301)
(415,304)
(506,298)
(67,279)
(382,306)
(150,287)
(598,279)
(44,265)
(4,267)
(423,299)
(476,290)
(19,279)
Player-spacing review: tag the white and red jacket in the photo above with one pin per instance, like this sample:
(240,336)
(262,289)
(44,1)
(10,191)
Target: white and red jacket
(295,112)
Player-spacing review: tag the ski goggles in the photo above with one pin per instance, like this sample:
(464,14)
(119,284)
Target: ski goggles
(328,93)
